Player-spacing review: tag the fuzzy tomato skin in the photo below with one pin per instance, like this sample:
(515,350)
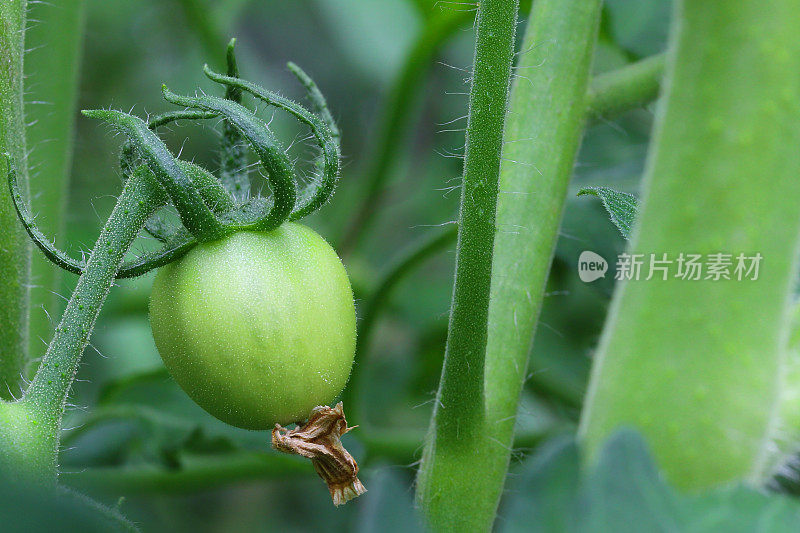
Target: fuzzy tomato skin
(257,328)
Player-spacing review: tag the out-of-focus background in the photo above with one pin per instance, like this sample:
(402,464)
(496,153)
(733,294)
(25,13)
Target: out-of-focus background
(179,468)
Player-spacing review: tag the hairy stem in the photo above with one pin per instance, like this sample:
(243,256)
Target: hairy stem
(47,393)
(15,248)
(699,378)
(626,88)
(55,42)
(449,488)
(543,132)
(396,120)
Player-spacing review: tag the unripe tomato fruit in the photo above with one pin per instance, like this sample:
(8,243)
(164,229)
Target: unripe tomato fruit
(257,328)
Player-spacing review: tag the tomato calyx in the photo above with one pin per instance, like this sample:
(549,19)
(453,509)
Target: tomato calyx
(212,207)
(319,439)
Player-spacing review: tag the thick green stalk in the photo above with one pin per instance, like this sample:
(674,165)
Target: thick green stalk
(449,484)
(15,248)
(788,433)
(44,400)
(543,132)
(696,365)
(397,118)
(626,88)
(51,92)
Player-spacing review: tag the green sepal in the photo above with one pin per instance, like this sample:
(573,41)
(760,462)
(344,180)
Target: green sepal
(195,215)
(175,245)
(127,156)
(211,191)
(233,157)
(320,190)
(276,163)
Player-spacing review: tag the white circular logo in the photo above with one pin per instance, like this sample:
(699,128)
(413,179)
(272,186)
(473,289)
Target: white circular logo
(591,266)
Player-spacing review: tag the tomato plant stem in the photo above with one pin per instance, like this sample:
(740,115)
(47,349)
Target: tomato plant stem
(15,247)
(696,366)
(47,394)
(626,88)
(543,132)
(450,490)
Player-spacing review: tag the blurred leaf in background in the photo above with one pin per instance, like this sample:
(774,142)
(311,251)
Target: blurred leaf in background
(624,492)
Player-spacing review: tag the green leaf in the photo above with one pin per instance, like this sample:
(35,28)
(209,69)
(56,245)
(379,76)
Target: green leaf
(741,509)
(549,484)
(621,206)
(625,492)
(25,508)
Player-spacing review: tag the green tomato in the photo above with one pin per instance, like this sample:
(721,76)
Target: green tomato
(257,328)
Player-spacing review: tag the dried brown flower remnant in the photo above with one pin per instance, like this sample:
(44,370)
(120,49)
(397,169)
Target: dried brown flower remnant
(319,440)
